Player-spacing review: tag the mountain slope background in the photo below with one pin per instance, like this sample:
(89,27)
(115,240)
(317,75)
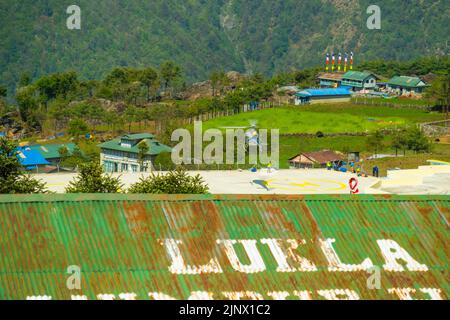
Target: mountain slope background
(264,36)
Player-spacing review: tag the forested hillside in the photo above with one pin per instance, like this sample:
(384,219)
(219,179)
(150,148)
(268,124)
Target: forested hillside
(204,35)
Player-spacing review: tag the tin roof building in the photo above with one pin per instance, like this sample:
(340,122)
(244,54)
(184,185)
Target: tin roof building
(407,84)
(313,96)
(358,80)
(121,154)
(30,159)
(315,159)
(51,151)
(223,247)
(330,79)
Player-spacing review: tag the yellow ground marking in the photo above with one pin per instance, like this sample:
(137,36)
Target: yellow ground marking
(56,184)
(304,185)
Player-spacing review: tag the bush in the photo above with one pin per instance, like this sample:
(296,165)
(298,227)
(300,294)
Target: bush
(417,141)
(12,179)
(174,182)
(91,179)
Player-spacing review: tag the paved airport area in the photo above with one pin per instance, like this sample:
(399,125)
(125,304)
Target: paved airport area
(424,180)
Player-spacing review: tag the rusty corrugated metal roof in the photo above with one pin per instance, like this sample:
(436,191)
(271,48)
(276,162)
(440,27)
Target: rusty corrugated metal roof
(181,246)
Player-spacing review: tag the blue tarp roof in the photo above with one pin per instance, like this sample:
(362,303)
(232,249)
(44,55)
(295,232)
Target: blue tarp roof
(323,92)
(30,158)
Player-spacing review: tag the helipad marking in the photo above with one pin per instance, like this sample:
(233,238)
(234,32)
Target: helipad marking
(305,185)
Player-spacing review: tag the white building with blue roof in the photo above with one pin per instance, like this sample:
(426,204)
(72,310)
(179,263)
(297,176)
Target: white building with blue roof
(314,96)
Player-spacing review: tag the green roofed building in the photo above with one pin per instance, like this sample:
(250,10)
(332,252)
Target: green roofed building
(406,85)
(224,247)
(122,154)
(51,151)
(359,80)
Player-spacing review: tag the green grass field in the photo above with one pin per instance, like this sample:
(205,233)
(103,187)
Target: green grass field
(337,118)
(396,101)
(333,118)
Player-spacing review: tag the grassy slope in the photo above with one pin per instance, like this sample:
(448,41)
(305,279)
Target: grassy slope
(326,118)
(337,118)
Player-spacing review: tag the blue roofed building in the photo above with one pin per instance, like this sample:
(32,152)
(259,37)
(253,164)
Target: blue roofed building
(50,152)
(31,159)
(313,96)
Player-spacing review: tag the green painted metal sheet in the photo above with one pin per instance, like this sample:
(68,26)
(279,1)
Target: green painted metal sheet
(222,247)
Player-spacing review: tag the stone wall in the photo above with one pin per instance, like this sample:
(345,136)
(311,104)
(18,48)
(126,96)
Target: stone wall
(436,129)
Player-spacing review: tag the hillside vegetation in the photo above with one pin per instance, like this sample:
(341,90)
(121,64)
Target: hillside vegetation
(247,36)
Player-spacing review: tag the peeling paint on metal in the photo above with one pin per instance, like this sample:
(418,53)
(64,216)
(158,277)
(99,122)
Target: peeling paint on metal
(224,247)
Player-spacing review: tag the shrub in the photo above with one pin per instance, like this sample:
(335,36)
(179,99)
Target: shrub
(12,179)
(91,179)
(174,182)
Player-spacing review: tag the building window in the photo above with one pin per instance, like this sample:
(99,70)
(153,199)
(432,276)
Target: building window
(108,166)
(134,168)
(124,167)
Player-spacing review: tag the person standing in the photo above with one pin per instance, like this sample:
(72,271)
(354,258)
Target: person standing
(376,171)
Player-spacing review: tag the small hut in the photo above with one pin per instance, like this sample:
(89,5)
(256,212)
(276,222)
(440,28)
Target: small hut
(315,159)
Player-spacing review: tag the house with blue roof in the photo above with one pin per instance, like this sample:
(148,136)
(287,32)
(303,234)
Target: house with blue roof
(314,96)
(50,152)
(30,159)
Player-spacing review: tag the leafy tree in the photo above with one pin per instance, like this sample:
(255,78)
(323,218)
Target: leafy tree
(439,92)
(216,78)
(91,179)
(57,84)
(26,102)
(12,179)
(131,115)
(63,153)
(169,73)
(3,91)
(148,77)
(399,142)
(117,75)
(77,127)
(417,141)
(25,80)
(219,80)
(75,159)
(90,112)
(143,149)
(174,182)
(375,141)
(133,91)
(87,88)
